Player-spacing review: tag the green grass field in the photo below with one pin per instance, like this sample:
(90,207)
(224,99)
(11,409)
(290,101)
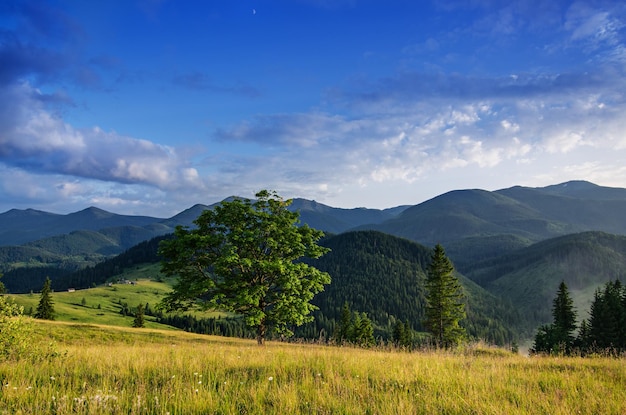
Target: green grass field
(101,305)
(107,367)
(121,370)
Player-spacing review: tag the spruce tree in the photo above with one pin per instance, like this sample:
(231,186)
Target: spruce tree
(444,301)
(363,330)
(605,318)
(342,332)
(402,334)
(558,337)
(45,308)
(564,318)
(139,321)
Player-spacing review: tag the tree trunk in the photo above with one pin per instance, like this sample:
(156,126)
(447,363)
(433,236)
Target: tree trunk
(260,336)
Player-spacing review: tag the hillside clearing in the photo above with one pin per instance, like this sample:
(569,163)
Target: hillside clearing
(113,370)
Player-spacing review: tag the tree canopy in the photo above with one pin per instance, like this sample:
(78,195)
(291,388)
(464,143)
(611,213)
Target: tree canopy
(444,302)
(243,257)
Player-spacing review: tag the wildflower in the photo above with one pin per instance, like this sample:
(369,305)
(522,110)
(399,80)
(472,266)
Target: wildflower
(196,390)
(52,378)
(271,378)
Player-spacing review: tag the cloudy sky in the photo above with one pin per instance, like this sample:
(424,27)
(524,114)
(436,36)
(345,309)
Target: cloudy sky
(150,106)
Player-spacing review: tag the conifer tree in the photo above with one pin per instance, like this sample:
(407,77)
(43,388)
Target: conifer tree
(564,318)
(139,321)
(444,301)
(402,334)
(363,330)
(342,332)
(45,308)
(606,315)
(558,337)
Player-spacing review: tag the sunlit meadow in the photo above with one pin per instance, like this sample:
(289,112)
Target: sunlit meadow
(108,370)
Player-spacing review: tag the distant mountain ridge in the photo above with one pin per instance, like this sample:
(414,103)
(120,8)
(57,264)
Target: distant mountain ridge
(21,226)
(473,224)
(467,221)
(30,238)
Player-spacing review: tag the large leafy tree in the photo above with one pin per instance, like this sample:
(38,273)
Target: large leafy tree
(242,257)
(45,308)
(445,306)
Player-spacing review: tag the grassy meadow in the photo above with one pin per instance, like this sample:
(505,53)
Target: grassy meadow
(121,370)
(101,305)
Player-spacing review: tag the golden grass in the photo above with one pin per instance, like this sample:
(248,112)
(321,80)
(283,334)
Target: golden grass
(141,371)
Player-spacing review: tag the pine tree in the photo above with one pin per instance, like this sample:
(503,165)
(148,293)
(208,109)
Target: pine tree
(139,321)
(363,330)
(444,302)
(45,308)
(605,317)
(402,334)
(582,341)
(564,318)
(342,333)
(558,337)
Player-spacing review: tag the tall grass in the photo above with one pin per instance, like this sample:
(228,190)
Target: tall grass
(140,371)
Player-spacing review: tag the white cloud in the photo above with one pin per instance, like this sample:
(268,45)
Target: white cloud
(37,140)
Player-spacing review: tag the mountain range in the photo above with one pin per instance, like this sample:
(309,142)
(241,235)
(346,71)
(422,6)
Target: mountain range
(511,247)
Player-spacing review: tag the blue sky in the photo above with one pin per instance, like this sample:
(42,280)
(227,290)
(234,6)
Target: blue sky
(150,106)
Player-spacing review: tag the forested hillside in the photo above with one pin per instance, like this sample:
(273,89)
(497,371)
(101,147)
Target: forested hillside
(528,278)
(26,279)
(384,276)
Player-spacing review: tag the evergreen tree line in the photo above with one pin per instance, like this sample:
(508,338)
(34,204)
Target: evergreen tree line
(228,327)
(355,328)
(604,332)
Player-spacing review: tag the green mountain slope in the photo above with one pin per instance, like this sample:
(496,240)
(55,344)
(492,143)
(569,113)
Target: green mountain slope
(590,207)
(528,278)
(384,276)
(336,220)
(477,224)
